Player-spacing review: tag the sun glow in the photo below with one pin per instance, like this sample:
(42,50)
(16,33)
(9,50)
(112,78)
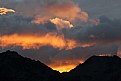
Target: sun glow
(65,65)
(65,68)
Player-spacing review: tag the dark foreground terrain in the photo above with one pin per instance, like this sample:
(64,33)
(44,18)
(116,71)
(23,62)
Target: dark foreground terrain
(14,67)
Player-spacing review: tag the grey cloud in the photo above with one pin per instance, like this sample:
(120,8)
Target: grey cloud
(19,24)
(107,30)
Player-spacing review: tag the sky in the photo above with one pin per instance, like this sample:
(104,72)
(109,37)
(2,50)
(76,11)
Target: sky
(60,33)
(96,8)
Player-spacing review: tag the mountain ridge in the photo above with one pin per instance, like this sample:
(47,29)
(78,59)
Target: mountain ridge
(97,68)
(14,67)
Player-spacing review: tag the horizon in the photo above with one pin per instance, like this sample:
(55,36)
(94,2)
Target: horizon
(61,70)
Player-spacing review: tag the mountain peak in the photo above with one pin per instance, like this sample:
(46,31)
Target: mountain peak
(97,68)
(8,52)
(14,67)
(97,59)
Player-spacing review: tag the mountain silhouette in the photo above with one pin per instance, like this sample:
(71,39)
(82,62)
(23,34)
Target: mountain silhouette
(96,68)
(14,67)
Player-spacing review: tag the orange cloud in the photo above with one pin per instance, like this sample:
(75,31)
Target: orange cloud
(67,11)
(36,41)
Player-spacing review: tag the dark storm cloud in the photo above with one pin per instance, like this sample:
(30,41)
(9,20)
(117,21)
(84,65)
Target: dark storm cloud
(97,8)
(20,24)
(107,30)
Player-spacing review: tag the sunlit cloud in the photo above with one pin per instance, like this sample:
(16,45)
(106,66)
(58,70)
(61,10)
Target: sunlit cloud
(4,11)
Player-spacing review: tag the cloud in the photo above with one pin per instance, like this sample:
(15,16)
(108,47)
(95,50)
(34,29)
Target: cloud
(44,10)
(108,30)
(3,11)
(10,24)
(60,23)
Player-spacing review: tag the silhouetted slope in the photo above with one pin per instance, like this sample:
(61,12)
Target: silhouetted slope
(96,69)
(14,67)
